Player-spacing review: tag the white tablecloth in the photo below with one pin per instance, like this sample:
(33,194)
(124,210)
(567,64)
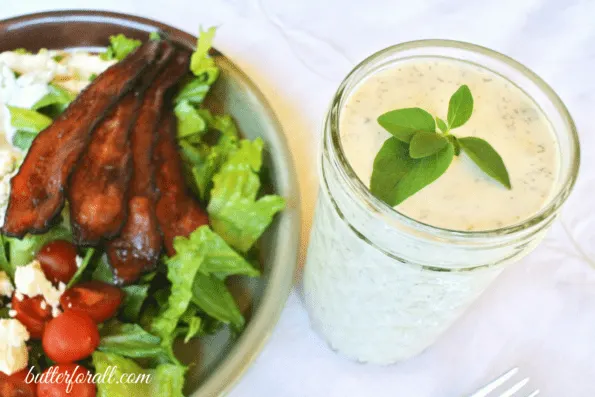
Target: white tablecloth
(540,315)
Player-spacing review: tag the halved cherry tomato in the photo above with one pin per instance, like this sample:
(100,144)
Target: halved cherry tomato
(79,376)
(58,261)
(16,385)
(98,299)
(71,336)
(33,315)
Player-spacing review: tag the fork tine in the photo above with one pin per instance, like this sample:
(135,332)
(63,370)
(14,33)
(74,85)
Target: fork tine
(535,393)
(495,384)
(512,391)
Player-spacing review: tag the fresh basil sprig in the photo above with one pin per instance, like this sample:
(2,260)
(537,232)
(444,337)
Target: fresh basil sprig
(422,148)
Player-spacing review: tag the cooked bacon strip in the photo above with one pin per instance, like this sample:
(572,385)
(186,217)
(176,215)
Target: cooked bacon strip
(97,188)
(37,191)
(138,247)
(179,214)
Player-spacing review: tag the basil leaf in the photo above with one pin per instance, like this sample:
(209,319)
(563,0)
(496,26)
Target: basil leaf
(424,172)
(441,124)
(455,143)
(424,144)
(460,107)
(486,157)
(404,123)
(390,165)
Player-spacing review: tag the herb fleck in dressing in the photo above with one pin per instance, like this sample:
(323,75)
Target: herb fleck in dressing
(464,198)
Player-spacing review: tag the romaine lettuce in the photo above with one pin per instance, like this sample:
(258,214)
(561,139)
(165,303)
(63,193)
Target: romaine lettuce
(167,380)
(120,46)
(235,213)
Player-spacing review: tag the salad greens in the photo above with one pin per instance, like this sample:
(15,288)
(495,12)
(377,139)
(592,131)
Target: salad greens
(236,213)
(166,380)
(120,46)
(187,296)
(28,123)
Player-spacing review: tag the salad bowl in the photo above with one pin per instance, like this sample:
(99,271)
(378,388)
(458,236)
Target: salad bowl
(217,361)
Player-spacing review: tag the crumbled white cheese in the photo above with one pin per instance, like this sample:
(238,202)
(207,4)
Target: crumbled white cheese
(79,261)
(30,281)
(41,63)
(14,355)
(84,65)
(12,313)
(6,287)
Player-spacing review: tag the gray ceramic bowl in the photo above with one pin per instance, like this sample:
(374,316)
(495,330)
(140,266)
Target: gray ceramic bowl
(220,360)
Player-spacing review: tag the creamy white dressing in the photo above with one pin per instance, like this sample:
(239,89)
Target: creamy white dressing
(464,198)
(381,290)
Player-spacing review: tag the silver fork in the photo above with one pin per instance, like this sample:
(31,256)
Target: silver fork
(512,391)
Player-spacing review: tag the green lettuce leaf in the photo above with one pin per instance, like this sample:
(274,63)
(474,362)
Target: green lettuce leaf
(120,46)
(4,263)
(103,271)
(22,252)
(130,340)
(220,259)
(204,161)
(212,296)
(28,123)
(181,270)
(194,91)
(133,302)
(235,213)
(203,252)
(201,64)
(55,101)
(192,324)
(190,122)
(79,273)
(167,380)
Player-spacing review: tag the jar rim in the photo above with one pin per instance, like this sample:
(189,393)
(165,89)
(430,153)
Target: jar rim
(385,210)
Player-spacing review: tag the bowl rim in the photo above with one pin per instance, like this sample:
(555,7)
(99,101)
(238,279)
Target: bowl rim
(265,318)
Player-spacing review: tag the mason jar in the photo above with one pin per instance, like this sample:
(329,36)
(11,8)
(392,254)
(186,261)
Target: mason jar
(381,287)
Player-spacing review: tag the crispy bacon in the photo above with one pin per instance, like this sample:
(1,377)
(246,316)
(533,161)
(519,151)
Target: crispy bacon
(97,188)
(139,245)
(37,191)
(179,214)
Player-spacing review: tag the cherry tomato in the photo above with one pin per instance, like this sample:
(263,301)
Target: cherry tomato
(77,374)
(33,315)
(70,337)
(16,385)
(58,261)
(98,299)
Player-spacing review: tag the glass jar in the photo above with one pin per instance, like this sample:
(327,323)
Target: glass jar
(381,287)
